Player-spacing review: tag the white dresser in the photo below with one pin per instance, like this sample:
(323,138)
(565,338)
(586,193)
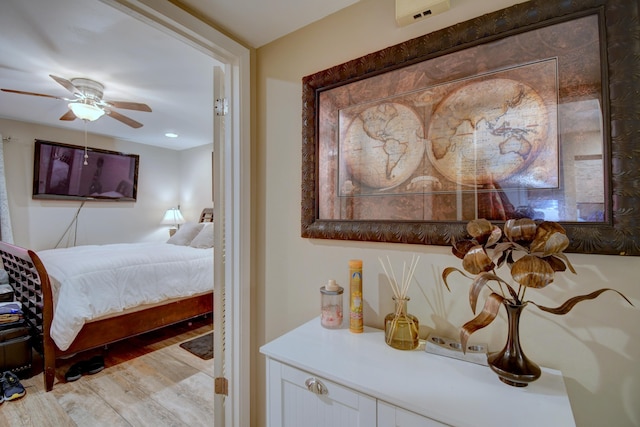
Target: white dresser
(332,378)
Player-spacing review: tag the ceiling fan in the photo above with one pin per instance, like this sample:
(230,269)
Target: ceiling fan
(88,103)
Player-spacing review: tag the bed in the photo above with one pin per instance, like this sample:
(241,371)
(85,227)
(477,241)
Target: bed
(40,284)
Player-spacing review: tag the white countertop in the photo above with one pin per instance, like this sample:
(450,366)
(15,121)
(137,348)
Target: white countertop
(450,391)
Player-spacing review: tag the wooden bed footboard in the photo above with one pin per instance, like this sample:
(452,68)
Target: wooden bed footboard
(32,287)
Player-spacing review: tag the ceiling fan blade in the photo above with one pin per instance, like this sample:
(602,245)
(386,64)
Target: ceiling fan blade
(66,84)
(30,93)
(68,116)
(128,105)
(124,119)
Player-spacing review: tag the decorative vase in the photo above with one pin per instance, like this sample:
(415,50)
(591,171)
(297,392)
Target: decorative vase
(511,364)
(401,328)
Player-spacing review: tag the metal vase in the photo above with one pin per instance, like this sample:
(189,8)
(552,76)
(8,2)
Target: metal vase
(511,364)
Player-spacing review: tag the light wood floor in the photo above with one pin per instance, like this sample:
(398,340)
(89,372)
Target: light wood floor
(147,381)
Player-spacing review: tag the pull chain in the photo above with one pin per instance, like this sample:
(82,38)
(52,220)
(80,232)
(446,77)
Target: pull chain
(86,155)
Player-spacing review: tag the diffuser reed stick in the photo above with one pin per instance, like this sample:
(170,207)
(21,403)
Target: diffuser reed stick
(407,276)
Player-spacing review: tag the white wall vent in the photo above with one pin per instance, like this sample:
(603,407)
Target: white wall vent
(410,11)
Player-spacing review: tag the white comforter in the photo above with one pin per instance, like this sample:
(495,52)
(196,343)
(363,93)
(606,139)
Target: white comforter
(93,281)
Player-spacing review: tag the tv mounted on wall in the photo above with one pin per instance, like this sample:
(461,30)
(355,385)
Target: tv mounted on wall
(59,172)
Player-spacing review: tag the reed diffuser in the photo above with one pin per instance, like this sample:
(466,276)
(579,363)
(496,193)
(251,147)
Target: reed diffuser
(401,328)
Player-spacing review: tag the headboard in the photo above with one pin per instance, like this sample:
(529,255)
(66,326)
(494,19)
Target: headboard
(206,215)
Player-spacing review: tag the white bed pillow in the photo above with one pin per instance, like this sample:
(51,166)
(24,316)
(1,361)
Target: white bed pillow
(204,239)
(185,234)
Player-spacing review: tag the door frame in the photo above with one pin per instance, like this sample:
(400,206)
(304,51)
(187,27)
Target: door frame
(236,188)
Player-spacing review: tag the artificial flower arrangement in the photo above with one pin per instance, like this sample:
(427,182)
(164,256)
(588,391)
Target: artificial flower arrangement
(533,252)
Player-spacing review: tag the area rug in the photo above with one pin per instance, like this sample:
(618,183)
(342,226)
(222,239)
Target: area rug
(201,346)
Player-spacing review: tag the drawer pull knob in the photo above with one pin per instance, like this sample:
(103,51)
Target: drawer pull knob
(314,385)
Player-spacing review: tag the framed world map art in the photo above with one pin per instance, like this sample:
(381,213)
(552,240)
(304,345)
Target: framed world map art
(524,112)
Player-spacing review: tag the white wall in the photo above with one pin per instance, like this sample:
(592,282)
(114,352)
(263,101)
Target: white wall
(195,179)
(597,345)
(39,224)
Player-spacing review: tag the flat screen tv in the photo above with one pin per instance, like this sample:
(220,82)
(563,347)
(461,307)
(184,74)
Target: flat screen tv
(59,172)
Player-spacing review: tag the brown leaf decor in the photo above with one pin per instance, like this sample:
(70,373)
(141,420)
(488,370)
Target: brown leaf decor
(486,316)
(571,302)
(531,250)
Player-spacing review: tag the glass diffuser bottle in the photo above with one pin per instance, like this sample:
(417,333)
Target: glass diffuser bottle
(401,329)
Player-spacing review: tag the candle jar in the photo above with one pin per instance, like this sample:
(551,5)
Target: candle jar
(401,328)
(331,305)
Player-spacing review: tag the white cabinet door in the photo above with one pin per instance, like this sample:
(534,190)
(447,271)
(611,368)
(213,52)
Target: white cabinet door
(300,399)
(392,416)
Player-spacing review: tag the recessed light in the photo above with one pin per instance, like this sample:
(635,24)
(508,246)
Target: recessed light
(171,135)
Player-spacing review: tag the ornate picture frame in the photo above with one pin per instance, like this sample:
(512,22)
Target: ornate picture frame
(353,192)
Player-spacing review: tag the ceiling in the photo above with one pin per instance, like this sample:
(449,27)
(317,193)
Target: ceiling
(258,22)
(135,62)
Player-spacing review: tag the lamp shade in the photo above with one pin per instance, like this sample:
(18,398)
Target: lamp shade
(172,216)
(86,111)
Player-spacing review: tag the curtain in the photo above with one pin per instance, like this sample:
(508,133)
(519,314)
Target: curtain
(6,232)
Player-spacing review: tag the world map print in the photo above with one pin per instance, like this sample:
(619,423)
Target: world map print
(486,132)
(383,145)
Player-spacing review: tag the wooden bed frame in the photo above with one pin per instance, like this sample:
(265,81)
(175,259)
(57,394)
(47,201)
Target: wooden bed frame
(32,287)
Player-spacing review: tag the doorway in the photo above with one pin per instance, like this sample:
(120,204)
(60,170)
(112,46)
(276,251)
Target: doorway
(232,209)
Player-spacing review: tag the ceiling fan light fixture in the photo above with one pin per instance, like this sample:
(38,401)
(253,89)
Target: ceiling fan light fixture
(85,111)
